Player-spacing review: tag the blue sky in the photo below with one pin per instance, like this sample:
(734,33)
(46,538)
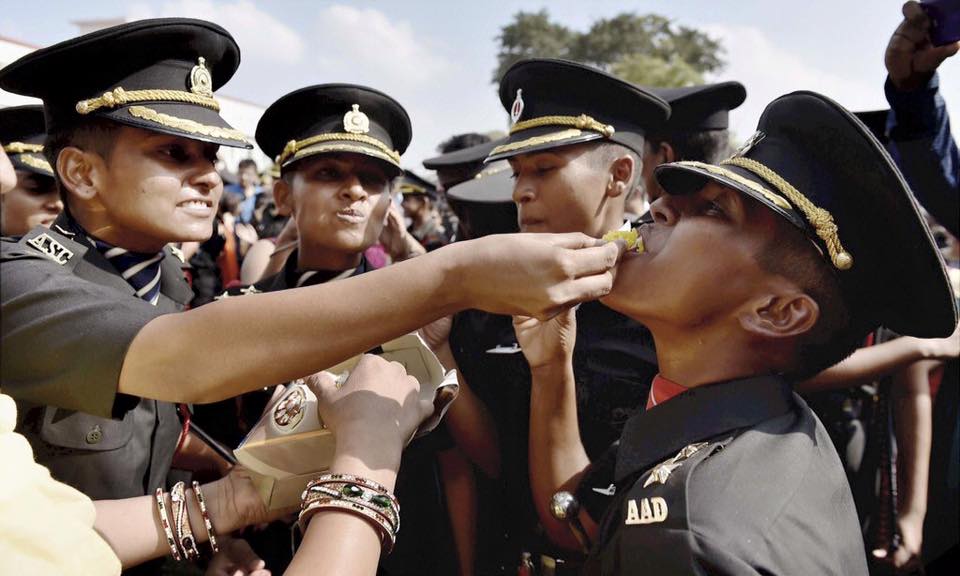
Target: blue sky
(437,57)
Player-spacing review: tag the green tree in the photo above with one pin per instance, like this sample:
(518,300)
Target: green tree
(644,49)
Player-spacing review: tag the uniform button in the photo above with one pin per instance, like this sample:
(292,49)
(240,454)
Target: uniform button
(94,435)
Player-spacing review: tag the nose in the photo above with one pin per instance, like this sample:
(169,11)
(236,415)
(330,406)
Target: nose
(206,178)
(353,190)
(523,191)
(54,203)
(664,211)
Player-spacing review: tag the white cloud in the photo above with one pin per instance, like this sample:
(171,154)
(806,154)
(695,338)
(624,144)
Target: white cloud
(768,71)
(365,42)
(260,35)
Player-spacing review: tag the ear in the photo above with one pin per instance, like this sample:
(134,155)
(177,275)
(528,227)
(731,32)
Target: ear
(82,173)
(780,315)
(622,171)
(283,197)
(667,153)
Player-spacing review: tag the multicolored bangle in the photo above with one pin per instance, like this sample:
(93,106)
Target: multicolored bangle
(181,523)
(165,523)
(354,494)
(211,535)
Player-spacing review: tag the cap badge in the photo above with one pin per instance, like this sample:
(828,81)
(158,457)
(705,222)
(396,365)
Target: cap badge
(355,121)
(200,80)
(517,109)
(750,143)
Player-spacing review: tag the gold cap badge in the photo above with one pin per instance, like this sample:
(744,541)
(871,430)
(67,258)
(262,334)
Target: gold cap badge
(355,121)
(200,80)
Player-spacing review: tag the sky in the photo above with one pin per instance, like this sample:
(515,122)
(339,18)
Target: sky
(437,57)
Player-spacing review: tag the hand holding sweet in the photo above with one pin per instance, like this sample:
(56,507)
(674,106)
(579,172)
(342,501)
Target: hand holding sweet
(910,56)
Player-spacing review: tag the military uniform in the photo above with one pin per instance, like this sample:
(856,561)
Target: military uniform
(68,319)
(69,302)
(739,477)
(729,478)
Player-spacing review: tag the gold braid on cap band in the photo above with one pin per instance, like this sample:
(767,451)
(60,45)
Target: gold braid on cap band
(185,125)
(295,146)
(118,97)
(21,147)
(34,162)
(582,122)
(820,219)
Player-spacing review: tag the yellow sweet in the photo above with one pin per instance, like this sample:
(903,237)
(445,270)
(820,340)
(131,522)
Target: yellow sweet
(631,237)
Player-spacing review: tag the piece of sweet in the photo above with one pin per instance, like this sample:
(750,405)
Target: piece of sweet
(631,237)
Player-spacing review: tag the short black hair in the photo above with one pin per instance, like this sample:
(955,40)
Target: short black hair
(836,334)
(247,162)
(461,141)
(92,134)
(708,146)
(603,153)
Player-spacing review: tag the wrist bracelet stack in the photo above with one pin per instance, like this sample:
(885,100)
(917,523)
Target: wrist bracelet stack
(179,533)
(353,494)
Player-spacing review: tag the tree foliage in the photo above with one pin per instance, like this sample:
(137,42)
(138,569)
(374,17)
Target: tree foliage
(644,49)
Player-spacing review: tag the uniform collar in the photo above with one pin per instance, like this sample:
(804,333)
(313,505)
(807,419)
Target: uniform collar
(697,414)
(94,266)
(292,277)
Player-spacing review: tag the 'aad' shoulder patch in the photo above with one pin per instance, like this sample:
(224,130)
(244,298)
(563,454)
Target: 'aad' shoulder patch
(51,248)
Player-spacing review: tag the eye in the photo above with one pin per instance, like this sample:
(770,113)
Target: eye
(175,152)
(714,209)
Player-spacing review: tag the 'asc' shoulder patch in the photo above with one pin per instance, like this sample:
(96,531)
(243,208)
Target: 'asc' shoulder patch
(51,248)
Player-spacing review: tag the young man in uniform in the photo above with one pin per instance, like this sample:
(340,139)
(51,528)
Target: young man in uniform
(34,200)
(575,151)
(88,335)
(757,272)
(696,130)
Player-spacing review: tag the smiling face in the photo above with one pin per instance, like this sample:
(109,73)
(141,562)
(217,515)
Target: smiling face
(151,189)
(34,201)
(565,189)
(335,199)
(700,262)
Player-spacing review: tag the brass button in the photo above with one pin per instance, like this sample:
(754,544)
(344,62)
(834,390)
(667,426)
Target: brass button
(95,435)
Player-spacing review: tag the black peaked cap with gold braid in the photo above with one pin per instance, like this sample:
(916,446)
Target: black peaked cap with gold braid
(335,118)
(701,108)
(157,74)
(558,103)
(816,165)
(22,135)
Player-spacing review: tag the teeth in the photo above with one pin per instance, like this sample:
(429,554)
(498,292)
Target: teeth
(195,204)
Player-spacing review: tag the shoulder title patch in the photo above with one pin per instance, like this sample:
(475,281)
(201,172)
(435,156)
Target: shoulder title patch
(648,511)
(51,248)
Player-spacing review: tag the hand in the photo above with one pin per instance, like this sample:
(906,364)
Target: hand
(547,342)
(375,412)
(236,558)
(535,274)
(910,56)
(437,333)
(906,558)
(246,233)
(943,348)
(398,243)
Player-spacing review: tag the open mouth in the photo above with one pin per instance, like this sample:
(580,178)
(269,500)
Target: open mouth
(196,203)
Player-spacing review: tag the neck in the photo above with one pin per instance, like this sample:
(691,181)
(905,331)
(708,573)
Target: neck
(707,355)
(420,217)
(315,258)
(95,226)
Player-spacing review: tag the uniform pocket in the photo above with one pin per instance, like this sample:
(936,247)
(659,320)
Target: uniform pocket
(81,431)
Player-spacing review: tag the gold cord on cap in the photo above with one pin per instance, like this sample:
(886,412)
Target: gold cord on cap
(34,162)
(820,219)
(294,146)
(186,125)
(582,122)
(119,97)
(21,147)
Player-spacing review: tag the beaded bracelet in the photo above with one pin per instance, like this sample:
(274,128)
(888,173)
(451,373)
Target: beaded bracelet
(387,537)
(366,483)
(378,502)
(181,522)
(211,535)
(165,523)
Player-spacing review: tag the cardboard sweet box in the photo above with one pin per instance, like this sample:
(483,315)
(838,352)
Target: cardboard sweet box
(289,445)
